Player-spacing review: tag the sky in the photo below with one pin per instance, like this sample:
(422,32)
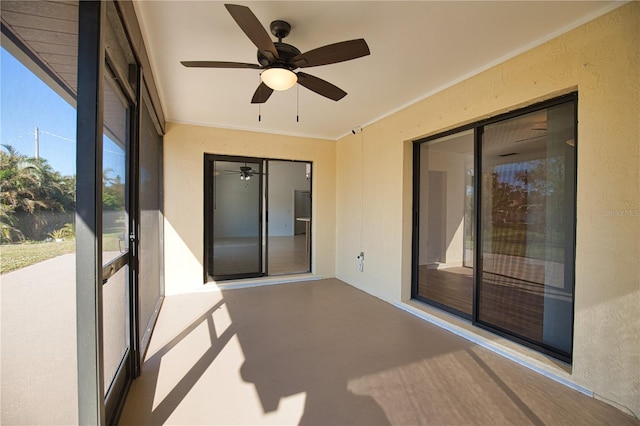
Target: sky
(26,103)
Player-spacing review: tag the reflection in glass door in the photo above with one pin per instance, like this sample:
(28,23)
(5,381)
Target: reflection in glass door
(236,227)
(528,211)
(445,274)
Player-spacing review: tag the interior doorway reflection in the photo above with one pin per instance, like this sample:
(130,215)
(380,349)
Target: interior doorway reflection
(445,268)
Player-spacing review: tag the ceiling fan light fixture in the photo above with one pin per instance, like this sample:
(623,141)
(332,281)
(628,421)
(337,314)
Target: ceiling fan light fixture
(279,78)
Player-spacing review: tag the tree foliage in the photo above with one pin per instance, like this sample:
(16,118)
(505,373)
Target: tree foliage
(29,185)
(113,191)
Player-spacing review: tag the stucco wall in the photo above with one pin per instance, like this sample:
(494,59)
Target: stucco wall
(601,60)
(184,148)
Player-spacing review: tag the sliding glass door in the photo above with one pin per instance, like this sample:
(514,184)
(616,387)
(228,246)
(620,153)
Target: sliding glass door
(257,217)
(518,213)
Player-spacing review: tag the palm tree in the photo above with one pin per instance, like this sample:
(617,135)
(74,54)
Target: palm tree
(30,185)
(8,232)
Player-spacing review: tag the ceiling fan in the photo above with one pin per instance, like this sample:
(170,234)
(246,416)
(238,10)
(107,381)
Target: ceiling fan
(245,172)
(278,60)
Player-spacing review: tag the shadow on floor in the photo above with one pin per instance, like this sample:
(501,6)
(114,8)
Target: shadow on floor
(323,352)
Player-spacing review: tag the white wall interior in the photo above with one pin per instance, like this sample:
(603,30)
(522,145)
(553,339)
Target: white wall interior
(236,201)
(285,177)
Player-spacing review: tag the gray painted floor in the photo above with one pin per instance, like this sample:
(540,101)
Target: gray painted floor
(322,352)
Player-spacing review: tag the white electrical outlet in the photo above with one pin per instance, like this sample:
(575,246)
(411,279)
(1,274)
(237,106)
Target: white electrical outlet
(361,261)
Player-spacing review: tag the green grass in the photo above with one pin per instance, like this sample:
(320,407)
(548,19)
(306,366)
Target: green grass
(17,256)
(518,240)
(522,241)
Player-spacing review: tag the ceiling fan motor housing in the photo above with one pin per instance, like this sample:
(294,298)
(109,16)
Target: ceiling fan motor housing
(286,53)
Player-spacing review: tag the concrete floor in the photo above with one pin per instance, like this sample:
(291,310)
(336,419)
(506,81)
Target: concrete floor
(323,352)
(38,351)
(38,348)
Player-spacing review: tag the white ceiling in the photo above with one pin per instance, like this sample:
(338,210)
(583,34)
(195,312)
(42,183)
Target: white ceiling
(417,48)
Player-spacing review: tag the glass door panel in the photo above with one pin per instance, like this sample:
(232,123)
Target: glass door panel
(115,232)
(115,223)
(237,234)
(527,211)
(289,223)
(445,275)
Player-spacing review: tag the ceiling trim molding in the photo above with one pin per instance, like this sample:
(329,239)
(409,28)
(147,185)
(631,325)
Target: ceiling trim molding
(251,130)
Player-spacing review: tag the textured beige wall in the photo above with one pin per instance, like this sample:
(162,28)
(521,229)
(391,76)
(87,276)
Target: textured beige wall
(601,60)
(184,148)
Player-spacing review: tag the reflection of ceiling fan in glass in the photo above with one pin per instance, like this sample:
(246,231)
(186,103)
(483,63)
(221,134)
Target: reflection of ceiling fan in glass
(245,172)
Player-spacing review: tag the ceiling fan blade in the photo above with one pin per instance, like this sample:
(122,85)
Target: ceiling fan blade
(261,94)
(219,64)
(332,53)
(321,87)
(248,22)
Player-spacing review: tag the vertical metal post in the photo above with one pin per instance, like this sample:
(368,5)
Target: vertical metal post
(89,213)
(415,220)
(478,132)
(134,221)
(264,186)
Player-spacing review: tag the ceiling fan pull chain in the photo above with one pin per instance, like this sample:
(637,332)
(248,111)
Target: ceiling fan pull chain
(297,103)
